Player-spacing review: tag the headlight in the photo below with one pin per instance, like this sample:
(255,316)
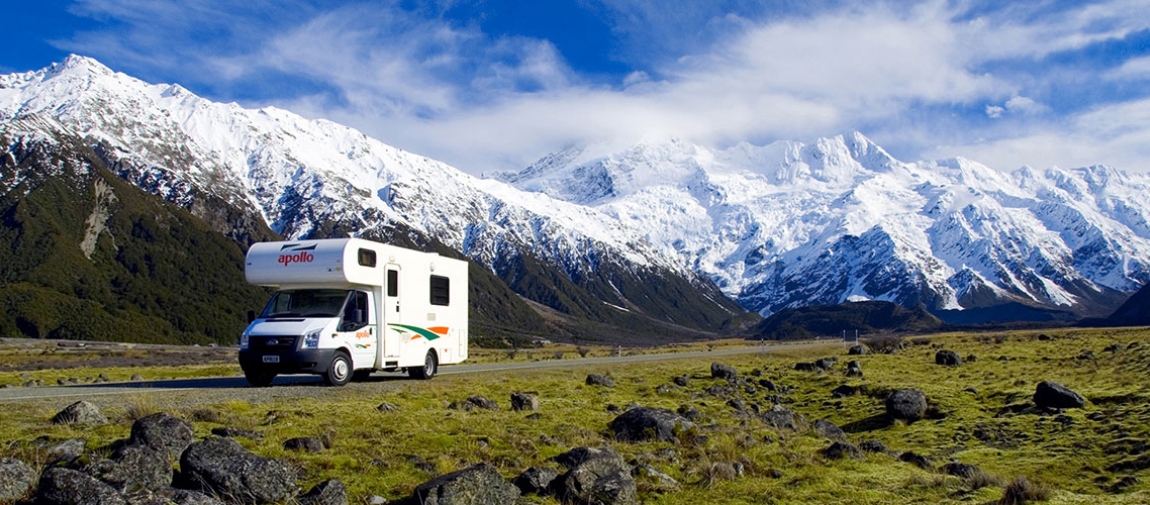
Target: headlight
(311,339)
(245,339)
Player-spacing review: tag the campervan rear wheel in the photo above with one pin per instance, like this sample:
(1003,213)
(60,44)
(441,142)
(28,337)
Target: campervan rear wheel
(429,368)
(339,372)
(259,378)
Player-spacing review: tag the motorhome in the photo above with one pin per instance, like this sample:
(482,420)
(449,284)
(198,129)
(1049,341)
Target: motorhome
(344,308)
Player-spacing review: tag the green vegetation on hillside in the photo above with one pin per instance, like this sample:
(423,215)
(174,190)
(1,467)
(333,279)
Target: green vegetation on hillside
(88,256)
(831,320)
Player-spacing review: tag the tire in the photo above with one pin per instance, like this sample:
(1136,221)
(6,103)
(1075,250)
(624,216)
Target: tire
(259,378)
(428,370)
(339,372)
(361,375)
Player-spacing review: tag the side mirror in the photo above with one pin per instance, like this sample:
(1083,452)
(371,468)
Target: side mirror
(251,316)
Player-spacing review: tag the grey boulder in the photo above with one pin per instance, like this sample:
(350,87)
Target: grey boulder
(647,423)
(477,485)
(16,479)
(222,467)
(63,486)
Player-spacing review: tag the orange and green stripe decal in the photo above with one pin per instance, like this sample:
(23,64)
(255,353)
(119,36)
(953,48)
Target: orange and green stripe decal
(428,333)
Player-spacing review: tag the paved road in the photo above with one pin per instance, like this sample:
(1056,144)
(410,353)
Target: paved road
(119,388)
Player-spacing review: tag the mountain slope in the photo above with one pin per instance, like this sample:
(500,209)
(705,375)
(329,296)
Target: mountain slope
(832,320)
(315,178)
(87,256)
(1135,312)
(793,224)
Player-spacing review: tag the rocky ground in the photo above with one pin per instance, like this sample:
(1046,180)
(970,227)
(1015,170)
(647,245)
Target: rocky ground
(1055,416)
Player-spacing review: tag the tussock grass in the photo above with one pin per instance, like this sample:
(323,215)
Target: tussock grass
(1079,455)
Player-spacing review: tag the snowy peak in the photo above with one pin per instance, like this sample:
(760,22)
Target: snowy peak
(795,223)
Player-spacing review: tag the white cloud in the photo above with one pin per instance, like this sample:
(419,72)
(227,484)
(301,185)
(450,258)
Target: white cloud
(1117,135)
(449,91)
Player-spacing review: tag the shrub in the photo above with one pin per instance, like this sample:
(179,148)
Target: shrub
(1021,490)
(884,344)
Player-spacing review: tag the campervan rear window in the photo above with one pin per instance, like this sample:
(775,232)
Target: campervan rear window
(440,290)
(366,258)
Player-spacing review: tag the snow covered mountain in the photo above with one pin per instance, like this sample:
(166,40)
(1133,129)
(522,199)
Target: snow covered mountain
(651,230)
(792,224)
(318,178)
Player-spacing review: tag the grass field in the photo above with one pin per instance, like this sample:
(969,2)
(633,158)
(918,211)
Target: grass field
(1096,455)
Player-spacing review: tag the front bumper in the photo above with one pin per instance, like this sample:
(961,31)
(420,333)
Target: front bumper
(313,361)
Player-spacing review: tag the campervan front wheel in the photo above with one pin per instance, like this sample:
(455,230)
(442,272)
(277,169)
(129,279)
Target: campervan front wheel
(339,372)
(258,378)
(429,368)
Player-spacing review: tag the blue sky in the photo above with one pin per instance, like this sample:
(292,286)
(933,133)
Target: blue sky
(493,85)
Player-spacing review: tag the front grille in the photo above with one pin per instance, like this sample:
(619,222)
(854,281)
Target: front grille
(273,342)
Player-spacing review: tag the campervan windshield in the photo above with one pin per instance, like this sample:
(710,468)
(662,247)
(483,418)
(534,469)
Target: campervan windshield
(306,303)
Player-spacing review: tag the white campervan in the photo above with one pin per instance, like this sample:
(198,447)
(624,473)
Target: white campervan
(347,307)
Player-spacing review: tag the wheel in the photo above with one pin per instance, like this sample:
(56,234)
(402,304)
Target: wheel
(361,375)
(429,368)
(339,371)
(259,378)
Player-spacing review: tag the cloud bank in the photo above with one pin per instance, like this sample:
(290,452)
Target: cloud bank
(1053,83)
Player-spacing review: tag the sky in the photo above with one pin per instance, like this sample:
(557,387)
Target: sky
(493,85)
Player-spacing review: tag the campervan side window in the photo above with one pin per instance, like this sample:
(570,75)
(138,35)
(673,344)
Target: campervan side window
(440,290)
(367,258)
(393,283)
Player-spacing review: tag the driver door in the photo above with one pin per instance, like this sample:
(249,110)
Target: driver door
(357,328)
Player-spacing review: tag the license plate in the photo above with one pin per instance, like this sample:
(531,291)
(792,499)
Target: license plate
(271,359)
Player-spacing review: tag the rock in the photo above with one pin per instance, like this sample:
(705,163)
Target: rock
(136,378)
(915,459)
(840,450)
(960,470)
(238,433)
(826,363)
(854,369)
(134,467)
(594,476)
(535,480)
(664,389)
(681,381)
(907,404)
(80,412)
(775,473)
(781,418)
(844,391)
(387,407)
(328,492)
(646,423)
(737,405)
(807,367)
(222,467)
(600,380)
(721,371)
(477,485)
(947,358)
(689,412)
(857,350)
(16,480)
(169,496)
(1044,337)
(661,481)
(1056,396)
(65,452)
(376,500)
(306,444)
(164,432)
(768,385)
(63,486)
(829,430)
(482,403)
(525,401)
(872,446)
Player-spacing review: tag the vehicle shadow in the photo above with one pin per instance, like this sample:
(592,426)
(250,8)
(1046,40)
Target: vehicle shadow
(227,382)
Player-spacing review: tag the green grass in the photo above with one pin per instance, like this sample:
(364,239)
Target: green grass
(1072,457)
